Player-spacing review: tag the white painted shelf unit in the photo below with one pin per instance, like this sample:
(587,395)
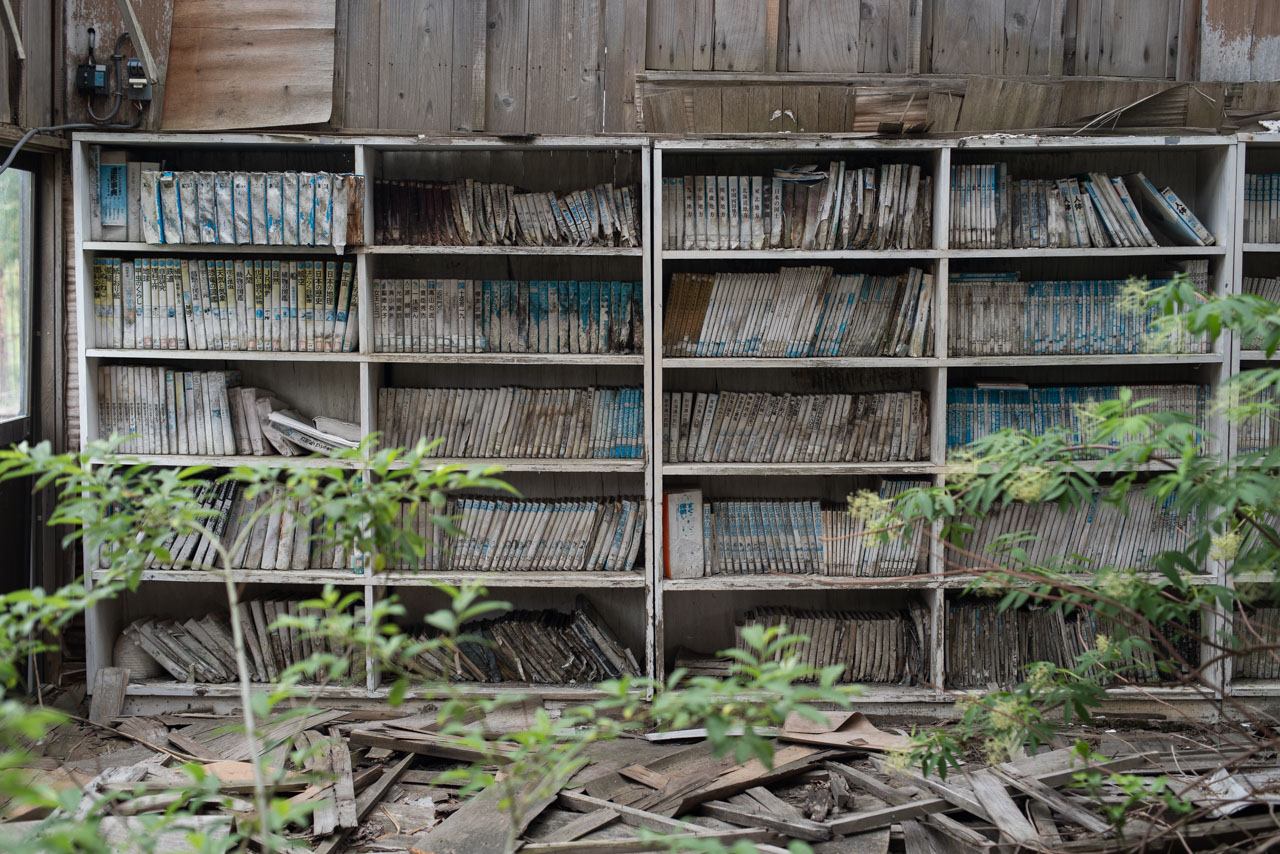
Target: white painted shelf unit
(346,385)
(699,613)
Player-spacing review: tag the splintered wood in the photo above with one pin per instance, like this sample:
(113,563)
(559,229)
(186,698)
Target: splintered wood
(371,781)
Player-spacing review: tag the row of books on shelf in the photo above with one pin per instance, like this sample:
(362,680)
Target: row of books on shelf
(231,304)
(264,531)
(990,210)
(467,212)
(803,207)
(995,314)
(1101,532)
(1261,222)
(884,647)
(165,411)
(1258,427)
(986,645)
(138,201)
(973,413)
(503,316)
(201,650)
(546,647)
(546,423)
(736,537)
(799,312)
(530,535)
(1267,287)
(1259,629)
(755,427)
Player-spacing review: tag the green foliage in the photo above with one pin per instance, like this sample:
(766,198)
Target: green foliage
(1228,507)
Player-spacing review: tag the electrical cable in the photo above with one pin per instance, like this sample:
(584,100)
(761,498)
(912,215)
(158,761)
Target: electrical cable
(26,137)
(117,59)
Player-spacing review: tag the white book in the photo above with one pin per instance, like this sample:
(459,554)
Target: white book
(189,206)
(113,194)
(258,224)
(274,208)
(241,210)
(684,547)
(149,203)
(170,208)
(306,208)
(289,194)
(323,209)
(133,177)
(207,207)
(224,209)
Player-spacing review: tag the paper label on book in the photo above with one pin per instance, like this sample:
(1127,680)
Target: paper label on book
(113,180)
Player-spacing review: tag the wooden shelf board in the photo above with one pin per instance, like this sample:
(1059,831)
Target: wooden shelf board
(208,248)
(570,580)
(501,251)
(603,359)
(541,465)
(798,469)
(1269,688)
(1262,247)
(736,362)
(396,578)
(126,458)
(1096,466)
(1257,356)
(1099,359)
(224,355)
(1031,141)
(959,582)
(1091,252)
(172,688)
(794,254)
(793,582)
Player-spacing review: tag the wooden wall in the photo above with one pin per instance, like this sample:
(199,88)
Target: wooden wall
(503,66)
(1122,38)
(26,88)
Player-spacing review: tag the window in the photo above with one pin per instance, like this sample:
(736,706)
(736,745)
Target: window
(17,226)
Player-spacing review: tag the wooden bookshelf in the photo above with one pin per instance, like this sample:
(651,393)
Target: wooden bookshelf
(653,615)
(346,385)
(1203,170)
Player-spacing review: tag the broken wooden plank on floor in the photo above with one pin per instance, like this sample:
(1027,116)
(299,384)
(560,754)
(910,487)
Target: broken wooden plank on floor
(643,775)
(634,846)
(368,799)
(1054,800)
(870,785)
(481,825)
(431,744)
(343,786)
(108,694)
(796,828)
(772,802)
(629,815)
(990,792)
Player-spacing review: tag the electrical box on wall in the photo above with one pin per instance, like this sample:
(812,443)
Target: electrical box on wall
(91,79)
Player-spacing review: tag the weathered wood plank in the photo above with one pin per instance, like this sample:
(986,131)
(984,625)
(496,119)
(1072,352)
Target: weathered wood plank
(363,72)
(706,109)
(109,687)
(739,35)
(990,792)
(506,60)
(670,41)
(968,38)
(901,41)
(704,34)
(416,58)
(735,106)
(796,828)
(824,35)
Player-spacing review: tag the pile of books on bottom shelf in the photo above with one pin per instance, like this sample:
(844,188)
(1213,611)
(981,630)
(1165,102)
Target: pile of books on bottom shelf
(985,645)
(568,535)
(1261,630)
(1096,530)
(707,538)
(165,411)
(200,650)
(872,646)
(543,647)
(989,407)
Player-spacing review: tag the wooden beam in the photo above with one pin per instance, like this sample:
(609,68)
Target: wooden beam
(11,21)
(139,42)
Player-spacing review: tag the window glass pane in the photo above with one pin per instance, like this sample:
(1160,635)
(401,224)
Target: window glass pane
(16,231)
